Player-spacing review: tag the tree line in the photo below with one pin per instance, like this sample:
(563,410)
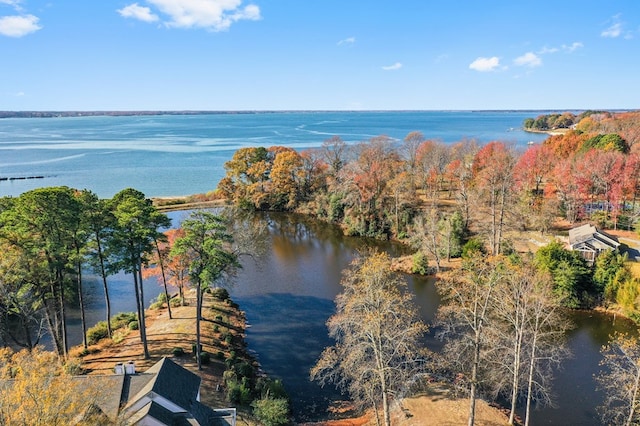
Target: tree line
(438,197)
(378,187)
(50,236)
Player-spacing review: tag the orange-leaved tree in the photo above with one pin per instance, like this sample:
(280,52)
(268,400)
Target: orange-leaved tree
(35,389)
(175,268)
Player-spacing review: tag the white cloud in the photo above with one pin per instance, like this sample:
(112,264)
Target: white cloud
(485,64)
(18,26)
(136,11)
(213,15)
(572,47)
(14,3)
(529,59)
(615,29)
(349,40)
(546,50)
(393,67)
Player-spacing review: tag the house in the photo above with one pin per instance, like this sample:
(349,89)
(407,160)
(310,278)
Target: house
(166,394)
(590,241)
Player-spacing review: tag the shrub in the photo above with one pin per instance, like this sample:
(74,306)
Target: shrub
(473,245)
(219,318)
(205,357)
(133,325)
(178,351)
(271,412)
(230,362)
(73,367)
(157,305)
(228,339)
(193,348)
(123,319)
(220,293)
(244,369)
(420,264)
(238,393)
(216,328)
(119,335)
(176,301)
(220,355)
(97,333)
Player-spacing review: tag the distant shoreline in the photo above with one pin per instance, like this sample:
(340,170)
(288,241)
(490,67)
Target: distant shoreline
(133,113)
(553,132)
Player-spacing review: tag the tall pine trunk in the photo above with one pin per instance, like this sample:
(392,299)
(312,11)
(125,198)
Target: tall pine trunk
(143,323)
(63,319)
(103,274)
(198,315)
(164,277)
(83,320)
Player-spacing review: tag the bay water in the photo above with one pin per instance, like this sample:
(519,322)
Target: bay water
(170,155)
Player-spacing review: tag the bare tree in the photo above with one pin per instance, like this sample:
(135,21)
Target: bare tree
(409,153)
(426,235)
(620,379)
(528,335)
(493,177)
(377,331)
(464,318)
(334,153)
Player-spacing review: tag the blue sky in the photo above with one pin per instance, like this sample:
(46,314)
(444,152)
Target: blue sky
(317,55)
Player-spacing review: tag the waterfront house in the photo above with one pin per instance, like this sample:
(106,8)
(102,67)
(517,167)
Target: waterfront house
(590,241)
(165,394)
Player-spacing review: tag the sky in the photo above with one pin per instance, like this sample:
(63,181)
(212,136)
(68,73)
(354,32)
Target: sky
(319,55)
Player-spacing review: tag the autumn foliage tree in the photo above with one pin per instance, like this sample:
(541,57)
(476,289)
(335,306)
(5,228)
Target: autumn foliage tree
(36,390)
(176,268)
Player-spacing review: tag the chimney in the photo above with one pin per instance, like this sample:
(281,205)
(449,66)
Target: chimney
(119,369)
(130,368)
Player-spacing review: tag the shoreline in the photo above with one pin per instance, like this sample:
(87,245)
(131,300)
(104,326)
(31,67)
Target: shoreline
(554,132)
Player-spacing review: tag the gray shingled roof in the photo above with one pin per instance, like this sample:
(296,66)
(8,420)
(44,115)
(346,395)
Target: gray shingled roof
(166,379)
(172,382)
(591,235)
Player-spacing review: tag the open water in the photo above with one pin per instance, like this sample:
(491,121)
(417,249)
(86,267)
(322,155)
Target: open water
(168,155)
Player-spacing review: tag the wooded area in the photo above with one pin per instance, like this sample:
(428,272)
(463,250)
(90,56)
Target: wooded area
(437,197)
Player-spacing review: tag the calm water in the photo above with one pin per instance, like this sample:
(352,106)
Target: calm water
(178,155)
(288,294)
